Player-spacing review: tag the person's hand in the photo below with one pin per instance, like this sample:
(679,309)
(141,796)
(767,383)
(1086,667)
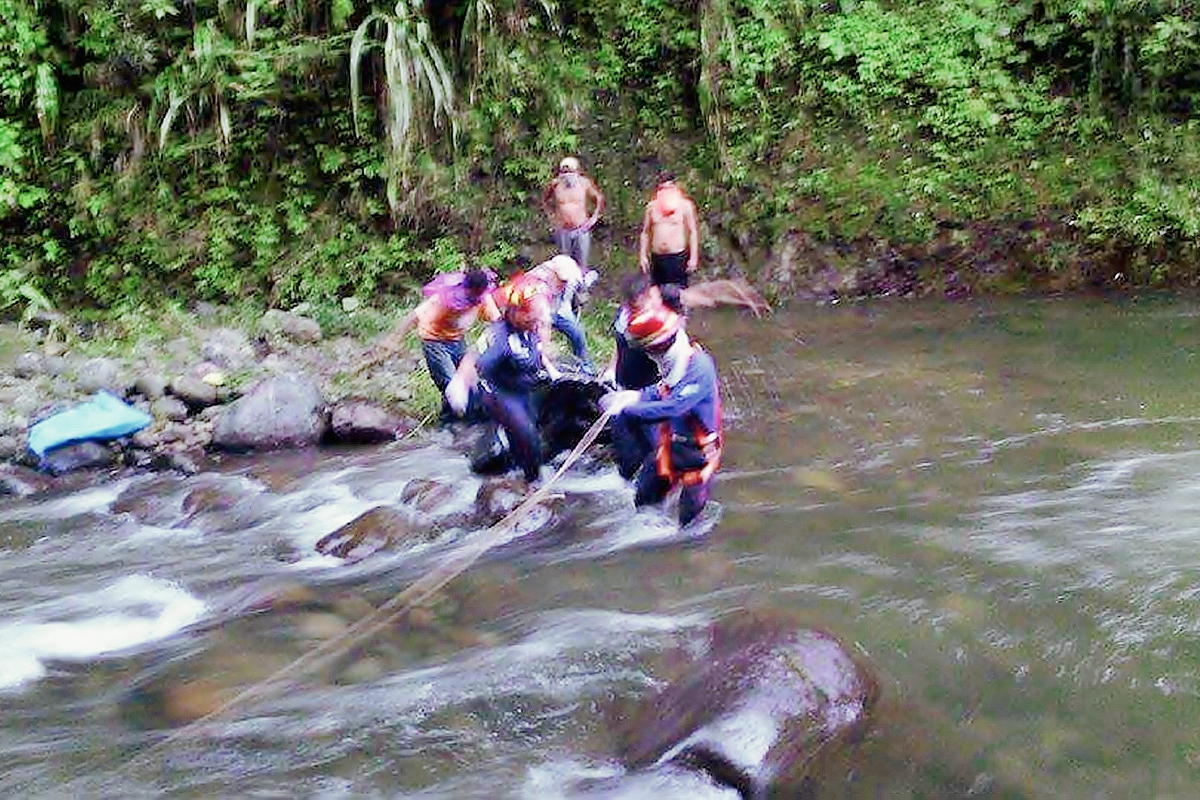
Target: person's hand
(608,377)
(458,395)
(692,261)
(552,372)
(644,262)
(616,402)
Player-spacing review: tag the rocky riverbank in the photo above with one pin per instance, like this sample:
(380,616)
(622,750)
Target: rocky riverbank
(214,379)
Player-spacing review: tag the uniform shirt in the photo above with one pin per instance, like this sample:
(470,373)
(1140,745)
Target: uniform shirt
(694,398)
(511,359)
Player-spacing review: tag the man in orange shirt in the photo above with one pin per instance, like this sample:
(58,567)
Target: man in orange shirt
(453,302)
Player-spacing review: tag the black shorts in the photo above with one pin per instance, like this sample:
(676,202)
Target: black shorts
(669,268)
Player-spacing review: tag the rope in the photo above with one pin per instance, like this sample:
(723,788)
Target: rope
(457,562)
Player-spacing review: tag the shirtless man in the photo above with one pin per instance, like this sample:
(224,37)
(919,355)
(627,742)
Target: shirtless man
(670,243)
(565,201)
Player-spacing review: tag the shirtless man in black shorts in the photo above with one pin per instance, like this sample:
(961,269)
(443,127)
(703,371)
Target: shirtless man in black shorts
(670,243)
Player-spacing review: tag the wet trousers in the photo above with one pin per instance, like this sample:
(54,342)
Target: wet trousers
(515,413)
(634,444)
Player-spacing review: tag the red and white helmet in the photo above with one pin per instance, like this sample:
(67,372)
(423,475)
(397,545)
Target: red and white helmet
(654,327)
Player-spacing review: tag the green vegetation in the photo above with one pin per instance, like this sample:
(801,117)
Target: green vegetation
(280,152)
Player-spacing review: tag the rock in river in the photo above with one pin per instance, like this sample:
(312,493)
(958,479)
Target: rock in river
(760,712)
(282,411)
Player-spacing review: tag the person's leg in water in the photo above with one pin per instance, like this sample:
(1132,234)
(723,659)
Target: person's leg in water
(631,444)
(692,500)
(442,359)
(650,487)
(514,413)
(574,333)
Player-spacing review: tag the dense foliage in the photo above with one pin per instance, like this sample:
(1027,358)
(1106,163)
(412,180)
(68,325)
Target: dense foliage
(293,150)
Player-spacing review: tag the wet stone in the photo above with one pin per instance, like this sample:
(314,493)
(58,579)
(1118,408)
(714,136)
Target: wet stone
(760,710)
(425,494)
(210,498)
(84,455)
(380,528)
(171,408)
(498,497)
(20,482)
(319,625)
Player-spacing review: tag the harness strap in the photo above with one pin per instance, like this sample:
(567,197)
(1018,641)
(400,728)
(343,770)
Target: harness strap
(711,443)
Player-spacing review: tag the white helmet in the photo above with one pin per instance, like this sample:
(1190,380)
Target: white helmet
(563,267)
(569,164)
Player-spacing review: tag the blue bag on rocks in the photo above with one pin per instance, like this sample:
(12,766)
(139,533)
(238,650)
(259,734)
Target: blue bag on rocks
(103,417)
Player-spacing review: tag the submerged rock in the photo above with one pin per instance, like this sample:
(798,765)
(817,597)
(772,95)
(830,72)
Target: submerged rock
(425,494)
(380,528)
(765,707)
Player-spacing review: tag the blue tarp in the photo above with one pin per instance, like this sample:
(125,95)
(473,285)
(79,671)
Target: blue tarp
(103,417)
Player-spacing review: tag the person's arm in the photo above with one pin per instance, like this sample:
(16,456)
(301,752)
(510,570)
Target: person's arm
(458,391)
(644,242)
(489,311)
(684,396)
(598,198)
(389,344)
(693,234)
(547,208)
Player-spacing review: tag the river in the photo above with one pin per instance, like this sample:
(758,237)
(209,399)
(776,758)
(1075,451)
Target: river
(997,503)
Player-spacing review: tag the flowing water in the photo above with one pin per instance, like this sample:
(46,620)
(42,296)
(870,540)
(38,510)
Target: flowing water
(996,503)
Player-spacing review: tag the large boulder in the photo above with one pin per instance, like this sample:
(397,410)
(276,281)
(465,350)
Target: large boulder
(761,712)
(282,411)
